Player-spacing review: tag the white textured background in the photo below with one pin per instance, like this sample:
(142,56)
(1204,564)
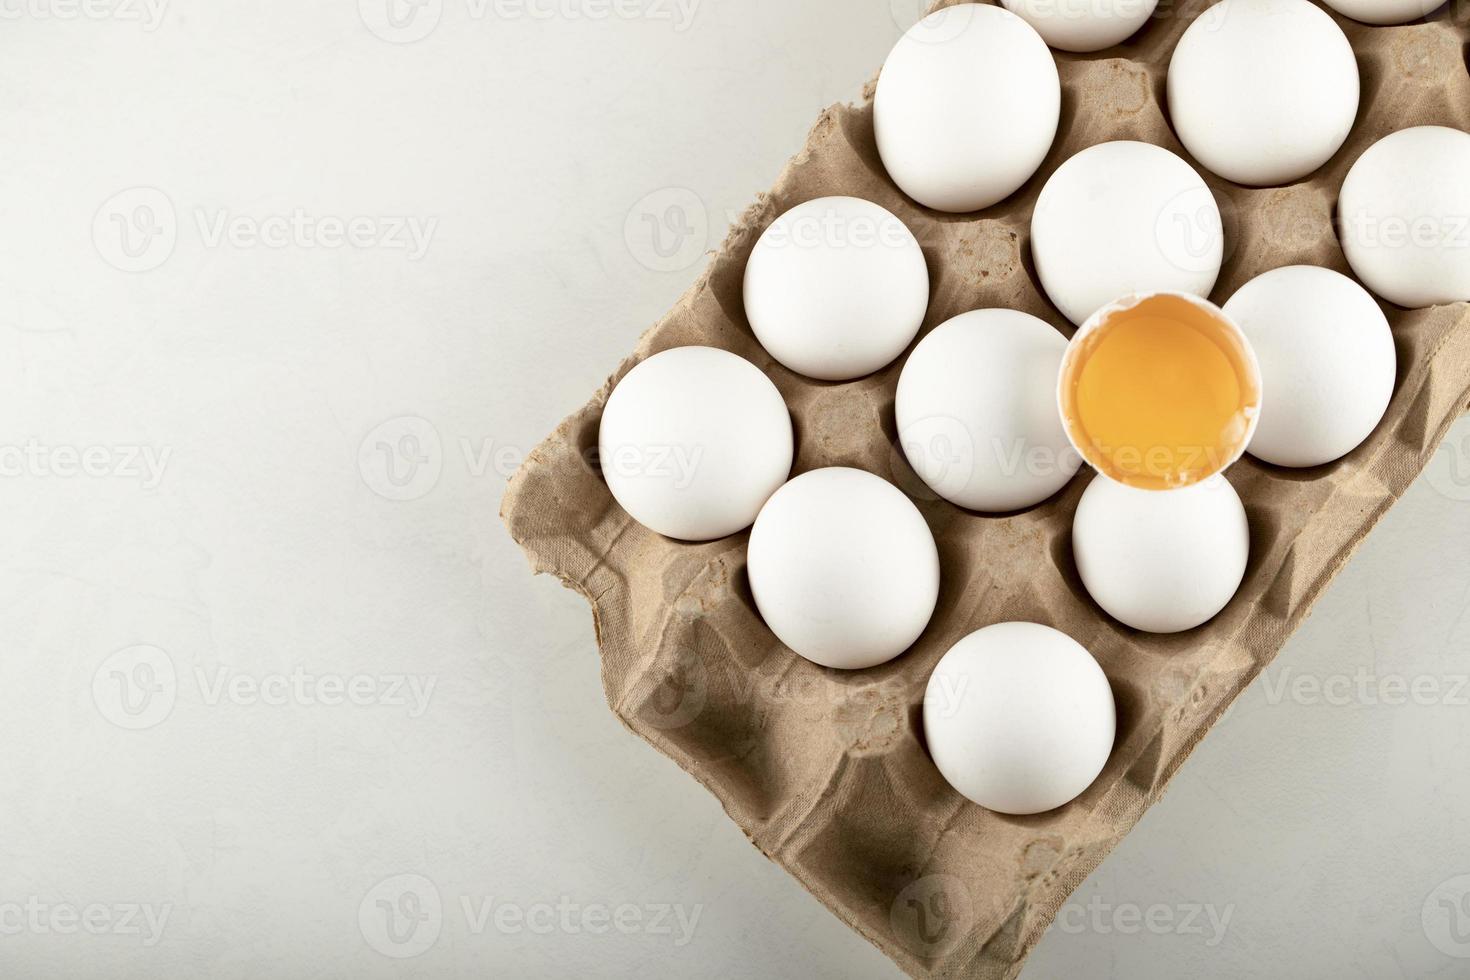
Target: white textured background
(278,696)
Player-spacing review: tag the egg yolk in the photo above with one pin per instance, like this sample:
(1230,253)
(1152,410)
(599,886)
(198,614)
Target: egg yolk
(1161,394)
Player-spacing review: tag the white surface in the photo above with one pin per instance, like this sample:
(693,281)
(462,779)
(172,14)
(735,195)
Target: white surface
(1019,717)
(1124,217)
(1404,211)
(1263,92)
(836,288)
(693,442)
(1162,561)
(1083,25)
(976,411)
(843,568)
(966,107)
(1315,823)
(1327,362)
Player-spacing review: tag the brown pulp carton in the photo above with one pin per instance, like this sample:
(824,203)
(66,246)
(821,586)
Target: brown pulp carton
(825,771)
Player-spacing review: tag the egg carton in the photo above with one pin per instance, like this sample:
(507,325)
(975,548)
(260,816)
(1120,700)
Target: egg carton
(825,771)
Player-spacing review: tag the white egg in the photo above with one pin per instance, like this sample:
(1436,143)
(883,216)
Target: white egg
(843,568)
(1121,218)
(1327,359)
(836,288)
(1404,212)
(1263,92)
(1161,561)
(977,413)
(693,441)
(1083,25)
(966,107)
(1385,11)
(1019,718)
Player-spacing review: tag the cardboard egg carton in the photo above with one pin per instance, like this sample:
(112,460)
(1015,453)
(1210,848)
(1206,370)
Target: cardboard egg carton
(825,771)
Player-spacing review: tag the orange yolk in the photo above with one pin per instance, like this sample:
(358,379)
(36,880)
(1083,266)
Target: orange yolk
(1161,394)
